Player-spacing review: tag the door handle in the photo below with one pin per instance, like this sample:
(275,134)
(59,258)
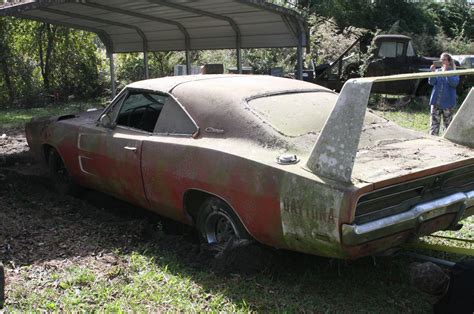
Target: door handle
(133,149)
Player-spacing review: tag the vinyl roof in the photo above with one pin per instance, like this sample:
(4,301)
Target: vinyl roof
(164,25)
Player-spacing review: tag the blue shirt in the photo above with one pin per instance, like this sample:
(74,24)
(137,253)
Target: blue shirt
(443,94)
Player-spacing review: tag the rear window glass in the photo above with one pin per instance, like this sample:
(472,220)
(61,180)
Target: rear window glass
(299,113)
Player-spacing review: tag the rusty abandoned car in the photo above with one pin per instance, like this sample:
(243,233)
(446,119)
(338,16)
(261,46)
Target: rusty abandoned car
(287,163)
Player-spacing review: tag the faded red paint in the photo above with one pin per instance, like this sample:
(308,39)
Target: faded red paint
(281,206)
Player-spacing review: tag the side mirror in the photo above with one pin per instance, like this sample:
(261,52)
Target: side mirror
(106,121)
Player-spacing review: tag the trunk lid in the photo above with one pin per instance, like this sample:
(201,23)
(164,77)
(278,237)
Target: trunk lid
(389,153)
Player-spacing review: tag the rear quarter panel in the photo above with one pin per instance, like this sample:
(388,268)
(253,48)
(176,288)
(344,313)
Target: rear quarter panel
(281,206)
(61,135)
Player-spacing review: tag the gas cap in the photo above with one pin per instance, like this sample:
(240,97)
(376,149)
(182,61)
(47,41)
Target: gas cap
(287,159)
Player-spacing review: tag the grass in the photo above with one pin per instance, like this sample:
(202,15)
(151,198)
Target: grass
(158,281)
(12,118)
(412,115)
(408,118)
(149,278)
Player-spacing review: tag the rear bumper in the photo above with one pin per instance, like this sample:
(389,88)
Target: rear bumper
(454,205)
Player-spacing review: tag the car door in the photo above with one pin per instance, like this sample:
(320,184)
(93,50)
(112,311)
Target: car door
(110,154)
(166,158)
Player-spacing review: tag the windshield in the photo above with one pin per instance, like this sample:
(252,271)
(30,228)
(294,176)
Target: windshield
(298,114)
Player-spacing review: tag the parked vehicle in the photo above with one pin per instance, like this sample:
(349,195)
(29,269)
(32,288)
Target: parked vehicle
(465,61)
(264,158)
(393,54)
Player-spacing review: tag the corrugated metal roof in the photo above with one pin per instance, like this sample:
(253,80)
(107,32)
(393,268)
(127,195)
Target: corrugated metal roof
(163,25)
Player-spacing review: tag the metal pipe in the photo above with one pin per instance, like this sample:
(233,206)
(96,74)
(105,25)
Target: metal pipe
(239,60)
(425,258)
(145,60)
(112,73)
(299,55)
(188,62)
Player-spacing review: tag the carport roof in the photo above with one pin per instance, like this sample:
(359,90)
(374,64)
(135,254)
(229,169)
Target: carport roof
(164,25)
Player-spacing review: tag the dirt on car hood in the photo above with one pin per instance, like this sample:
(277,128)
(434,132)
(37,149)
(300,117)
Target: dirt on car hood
(387,151)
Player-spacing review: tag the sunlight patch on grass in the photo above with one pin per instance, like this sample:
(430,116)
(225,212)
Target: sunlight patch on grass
(145,284)
(418,121)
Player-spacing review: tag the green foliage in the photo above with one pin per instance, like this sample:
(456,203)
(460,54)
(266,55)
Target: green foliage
(130,67)
(40,62)
(227,57)
(12,118)
(374,15)
(434,27)
(262,60)
(18,77)
(328,41)
(77,65)
(455,18)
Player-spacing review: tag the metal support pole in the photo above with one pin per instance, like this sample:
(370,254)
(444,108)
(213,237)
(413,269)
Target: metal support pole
(239,59)
(112,73)
(145,61)
(188,62)
(299,60)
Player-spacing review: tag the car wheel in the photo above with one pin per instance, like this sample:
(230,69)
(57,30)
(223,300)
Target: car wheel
(218,224)
(62,182)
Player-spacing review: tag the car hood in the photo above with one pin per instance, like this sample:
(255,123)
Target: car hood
(89,115)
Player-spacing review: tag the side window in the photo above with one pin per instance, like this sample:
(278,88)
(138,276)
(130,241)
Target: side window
(141,110)
(174,120)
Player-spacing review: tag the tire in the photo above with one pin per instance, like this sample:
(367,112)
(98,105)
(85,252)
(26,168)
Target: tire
(61,180)
(218,224)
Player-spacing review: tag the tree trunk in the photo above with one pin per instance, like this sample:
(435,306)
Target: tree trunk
(6,74)
(4,62)
(45,60)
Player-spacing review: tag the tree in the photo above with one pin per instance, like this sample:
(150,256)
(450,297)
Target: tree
(373,15)
(455,19)
(45,36)
(40,59)
(5,58)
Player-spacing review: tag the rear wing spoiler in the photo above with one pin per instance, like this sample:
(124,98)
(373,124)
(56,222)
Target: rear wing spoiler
(335,150)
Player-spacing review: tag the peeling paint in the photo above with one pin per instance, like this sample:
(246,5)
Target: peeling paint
(296,206)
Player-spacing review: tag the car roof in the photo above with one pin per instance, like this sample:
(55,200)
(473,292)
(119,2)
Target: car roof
(220,102)
(253,84)
(391,37)
(208,98)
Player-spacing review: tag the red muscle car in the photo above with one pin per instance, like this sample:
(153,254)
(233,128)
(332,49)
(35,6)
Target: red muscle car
(287,163)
